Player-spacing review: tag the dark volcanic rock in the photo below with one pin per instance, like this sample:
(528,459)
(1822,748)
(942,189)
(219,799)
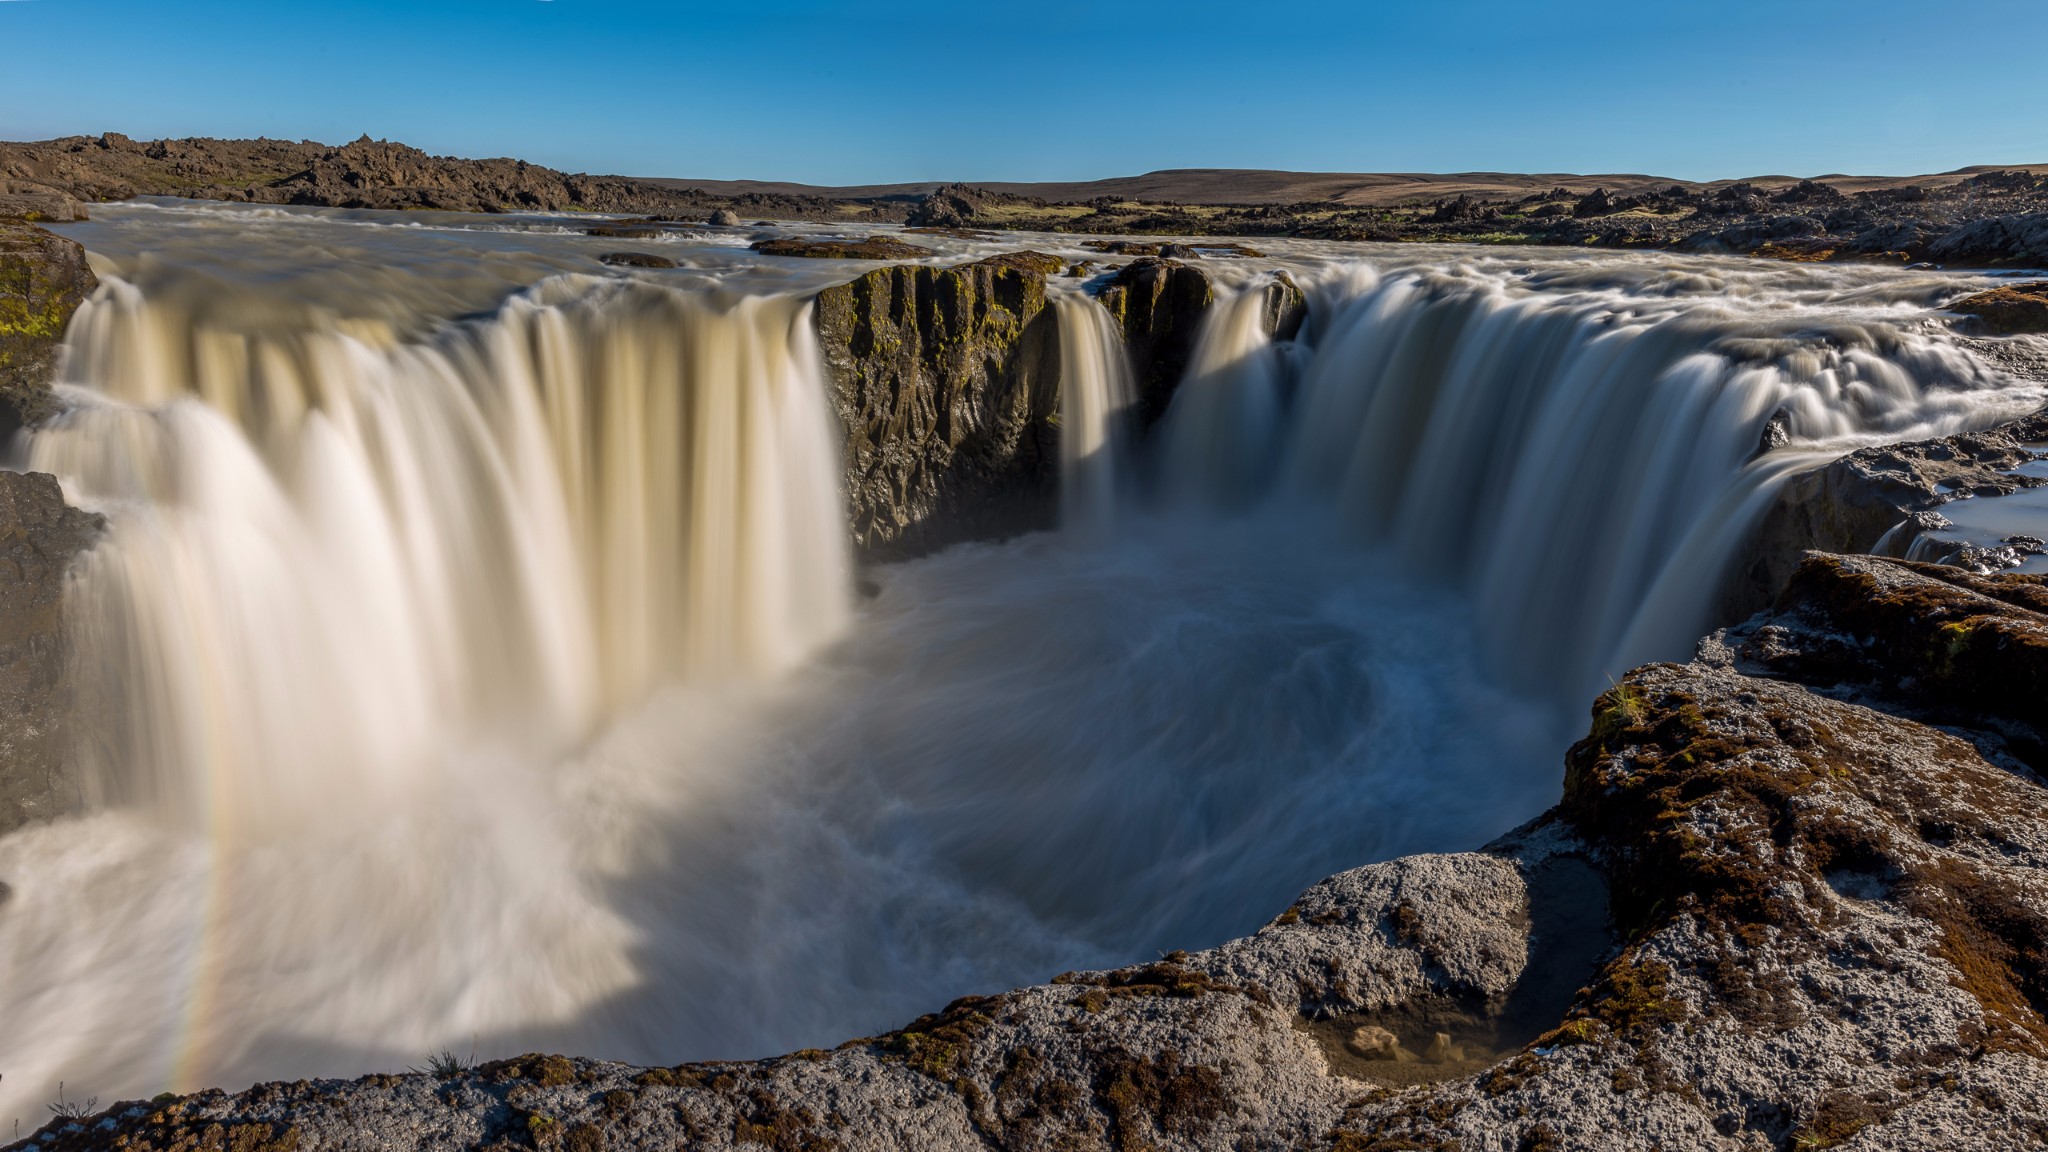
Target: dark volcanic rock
(962,206)
(1998,241)
(871,248)
(946,381)
(2022,308)
(1933,639)
(1160,305)
(1595,203)
(43,280)
(1286,307)
(39,537)
(637,260)
(1889,494)
(1040,262)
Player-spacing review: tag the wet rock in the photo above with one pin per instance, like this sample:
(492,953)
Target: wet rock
(626,229)
(724,218)
(1039,262)
(1776,434)
(1124,247)
(637,260)
(1878,497)
(1373,1042)
(40,536)
(1286,307)
(1160,304)
(2013,311)
(868,248)
(945,380)
(43,280)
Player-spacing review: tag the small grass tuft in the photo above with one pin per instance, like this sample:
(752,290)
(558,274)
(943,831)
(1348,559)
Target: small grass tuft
(72,1109)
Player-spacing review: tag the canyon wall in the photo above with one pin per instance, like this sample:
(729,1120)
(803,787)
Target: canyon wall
(43,279)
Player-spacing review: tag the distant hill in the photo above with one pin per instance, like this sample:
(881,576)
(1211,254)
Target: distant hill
(1977,217)
(1221,186)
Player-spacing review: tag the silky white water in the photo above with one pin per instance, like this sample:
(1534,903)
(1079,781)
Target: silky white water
(1581,456)
(1095,432)
(473,660)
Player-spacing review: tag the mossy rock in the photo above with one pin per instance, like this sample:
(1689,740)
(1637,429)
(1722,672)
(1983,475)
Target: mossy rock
(2016,311)
(871,248)
(946,383)
(43,280)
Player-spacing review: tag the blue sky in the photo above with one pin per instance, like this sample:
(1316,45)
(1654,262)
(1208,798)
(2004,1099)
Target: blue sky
(831,92)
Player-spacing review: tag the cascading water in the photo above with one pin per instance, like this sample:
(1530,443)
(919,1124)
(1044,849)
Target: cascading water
(462,663)
(1583,459)
(331,562)
(1218,437)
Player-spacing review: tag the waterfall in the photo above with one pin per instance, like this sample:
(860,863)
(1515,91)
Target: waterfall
(1583,463)
(1217,439)
(335,557)
(1095,399)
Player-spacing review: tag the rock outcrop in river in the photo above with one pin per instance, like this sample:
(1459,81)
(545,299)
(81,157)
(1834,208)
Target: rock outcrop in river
(945,380)
(1776,908)
(947,384)
(1159,305)
(1882,499)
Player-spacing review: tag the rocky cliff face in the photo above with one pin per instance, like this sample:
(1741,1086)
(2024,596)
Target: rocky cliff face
(43,280)
(39,537)
(1160,305)
(1773,911)
(946,381)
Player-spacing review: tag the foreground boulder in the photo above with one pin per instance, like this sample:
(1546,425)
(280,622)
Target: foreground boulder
(1772,911)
